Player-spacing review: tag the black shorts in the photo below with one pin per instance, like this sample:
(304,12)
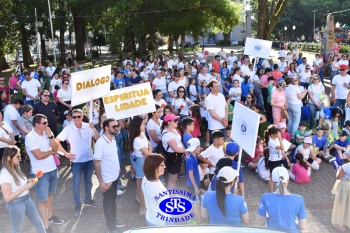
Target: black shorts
(205,123)
(173,162)
(273,165)
(310,160)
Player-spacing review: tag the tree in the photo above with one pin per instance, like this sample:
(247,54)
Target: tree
(269,13)
(7,32)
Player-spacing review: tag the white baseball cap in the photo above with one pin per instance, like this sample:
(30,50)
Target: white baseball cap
(280,174)
(308,140)
(228,173)
(192,144)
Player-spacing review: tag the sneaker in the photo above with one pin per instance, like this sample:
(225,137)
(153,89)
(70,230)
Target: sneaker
(331,160)
(91,203)
(77,210)
(119,192)
(55,220)
(119,223)
(327,157)
(122,186)
(49,230)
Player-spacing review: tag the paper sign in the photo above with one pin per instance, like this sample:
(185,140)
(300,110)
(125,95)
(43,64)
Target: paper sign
(258,48)
(129,101)
(286,144)
(245,125)
(90,84)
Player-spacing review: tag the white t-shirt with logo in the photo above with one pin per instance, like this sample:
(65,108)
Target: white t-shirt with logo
(275,154)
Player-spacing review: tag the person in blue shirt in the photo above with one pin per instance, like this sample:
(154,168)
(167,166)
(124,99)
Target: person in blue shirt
(340,145)
(331,116)
(232,150)
(319,143)
(135,79)
(227,86)
(223,162)
(222,207)
(247,88)
(192,175)
(188,125)
(281,206)
(119,82)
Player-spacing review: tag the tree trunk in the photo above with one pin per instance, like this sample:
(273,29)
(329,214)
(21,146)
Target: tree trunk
(176,40)
(80,38)
(262,15)
(62,47)
(133,44)
(170,44)
(3,63)
(43,51)
(227,36)
(27,60)
(181,52)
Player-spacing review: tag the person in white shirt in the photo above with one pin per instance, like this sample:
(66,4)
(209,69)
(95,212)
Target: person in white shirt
(318,63)
(235,92)
(55,81)
(232,58)
(265,63)
(10,117)
(282,65)
(282,52)
(203,58)
(50,70)
(301,67)
(222,53)
(172,88)
(183,63)
(245,67)
(217,109)
(295,51)
(305,77)
(144,74)
(41,147)
(107,168)
(170,62)
(340,87)
(195,58)
(79,135)
(31,88)
(289,59)
(344,61)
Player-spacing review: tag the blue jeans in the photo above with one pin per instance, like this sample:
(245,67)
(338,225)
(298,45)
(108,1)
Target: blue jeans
(294,111)
(46,185)
(313,109)
(29,102)
(211,131)
(258,95)
(24,206)
(165,95)
(77,169)
(120,146)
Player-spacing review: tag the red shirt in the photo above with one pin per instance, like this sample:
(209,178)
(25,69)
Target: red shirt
(216,66)
(276,75)
(6,89)
(197,129)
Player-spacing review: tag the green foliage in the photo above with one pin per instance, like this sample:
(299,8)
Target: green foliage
(344,49)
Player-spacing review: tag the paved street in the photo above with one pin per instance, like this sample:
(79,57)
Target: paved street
(317,195)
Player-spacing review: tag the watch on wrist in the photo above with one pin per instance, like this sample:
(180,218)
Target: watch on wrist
(50,137)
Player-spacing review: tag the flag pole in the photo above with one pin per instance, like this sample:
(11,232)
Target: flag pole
(238,165)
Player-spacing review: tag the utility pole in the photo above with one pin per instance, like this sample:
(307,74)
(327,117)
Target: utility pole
(313,34)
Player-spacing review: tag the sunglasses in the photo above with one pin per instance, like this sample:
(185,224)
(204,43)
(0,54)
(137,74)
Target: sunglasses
(342,70)
(181,91)
(74,117)
(307,68)
(66,83)
(114,126)
(316,79)
(43,123)
(46,95)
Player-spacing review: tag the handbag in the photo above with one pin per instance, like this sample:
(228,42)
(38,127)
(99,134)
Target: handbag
(306,113)
(57,160)
(285,115)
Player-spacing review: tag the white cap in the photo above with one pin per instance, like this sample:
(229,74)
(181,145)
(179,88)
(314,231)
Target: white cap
(228,173)
(192,144)
(308,140)
(280,174)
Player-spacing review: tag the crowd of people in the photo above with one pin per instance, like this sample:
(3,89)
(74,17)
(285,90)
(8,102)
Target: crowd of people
(194,99)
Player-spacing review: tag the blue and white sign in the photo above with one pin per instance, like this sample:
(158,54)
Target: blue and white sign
(258,48)
(245,125)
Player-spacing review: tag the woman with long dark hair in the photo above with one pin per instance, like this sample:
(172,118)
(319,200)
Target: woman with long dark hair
(139,147)
(223,207)
(180,103)
(15,190)
(153,126)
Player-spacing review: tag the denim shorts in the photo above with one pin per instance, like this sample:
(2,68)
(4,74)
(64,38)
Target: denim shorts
(137,162)
(46,185)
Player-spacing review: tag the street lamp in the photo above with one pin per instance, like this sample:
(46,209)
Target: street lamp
(285,33)
(337,26)
(293,32)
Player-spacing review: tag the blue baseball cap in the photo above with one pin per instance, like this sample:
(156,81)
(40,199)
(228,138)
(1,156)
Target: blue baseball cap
(232,148)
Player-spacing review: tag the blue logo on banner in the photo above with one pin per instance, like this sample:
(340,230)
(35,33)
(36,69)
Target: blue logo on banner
(257,47)
(175,206)
(243,128)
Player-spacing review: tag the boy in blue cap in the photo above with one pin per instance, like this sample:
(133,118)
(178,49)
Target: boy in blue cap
(232,150)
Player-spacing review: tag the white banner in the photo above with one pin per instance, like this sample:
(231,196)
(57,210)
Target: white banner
(258,48)
(245,125)
(129,101)
(90,84)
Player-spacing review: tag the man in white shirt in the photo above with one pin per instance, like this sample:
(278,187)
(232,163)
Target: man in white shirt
(31,88)
(203,57)
(222,53)
(170,62)
(344,61)
(245,68)
(79,135)
(56,81)
(41,147)
(282,65)
(301,67)
(107,170)
(340,87)
(50,70)
(195,58)
(10,117)
(265,63)
(217,109)
(232,58)
(183,63)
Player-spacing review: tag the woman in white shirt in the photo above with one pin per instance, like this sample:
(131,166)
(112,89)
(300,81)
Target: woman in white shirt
(7,137)
(180,103)
(305,77)
(317,95)
(139,147)
(153,126)
(15,190)
(292,73)
(318,64)
(158,98)
(174,149)
(64,95)
(335,67)
(151,186)
(160,83)
(144,74)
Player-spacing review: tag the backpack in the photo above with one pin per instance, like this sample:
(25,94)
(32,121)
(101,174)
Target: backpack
(159,148)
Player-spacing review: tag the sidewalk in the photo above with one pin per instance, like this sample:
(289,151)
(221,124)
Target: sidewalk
(317,196)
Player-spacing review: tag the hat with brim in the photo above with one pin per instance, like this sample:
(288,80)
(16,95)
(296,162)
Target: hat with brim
(232,148)
(170,117)
(280,174)
(193,143)
(228,173)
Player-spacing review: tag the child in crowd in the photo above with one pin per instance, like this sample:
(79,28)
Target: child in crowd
(13,84)
(227,137)
(227,86)
(204,89)
(347,129)
(300,171)
(192,175)
(286,135)
(340,146)
(188,126)
(300,134)
(309,154)
(232,150)
(55,94)
(167,110)
(214,152)
(259,149)
(263,168)
(197,118)
(319,143)
(235,92)
(68,120)
(192,90)
(203,176)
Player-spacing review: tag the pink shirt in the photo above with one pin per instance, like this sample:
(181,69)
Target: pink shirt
(197,129)
(280,97)
(300,173)
(13,81)
(264,80)
(286,136)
